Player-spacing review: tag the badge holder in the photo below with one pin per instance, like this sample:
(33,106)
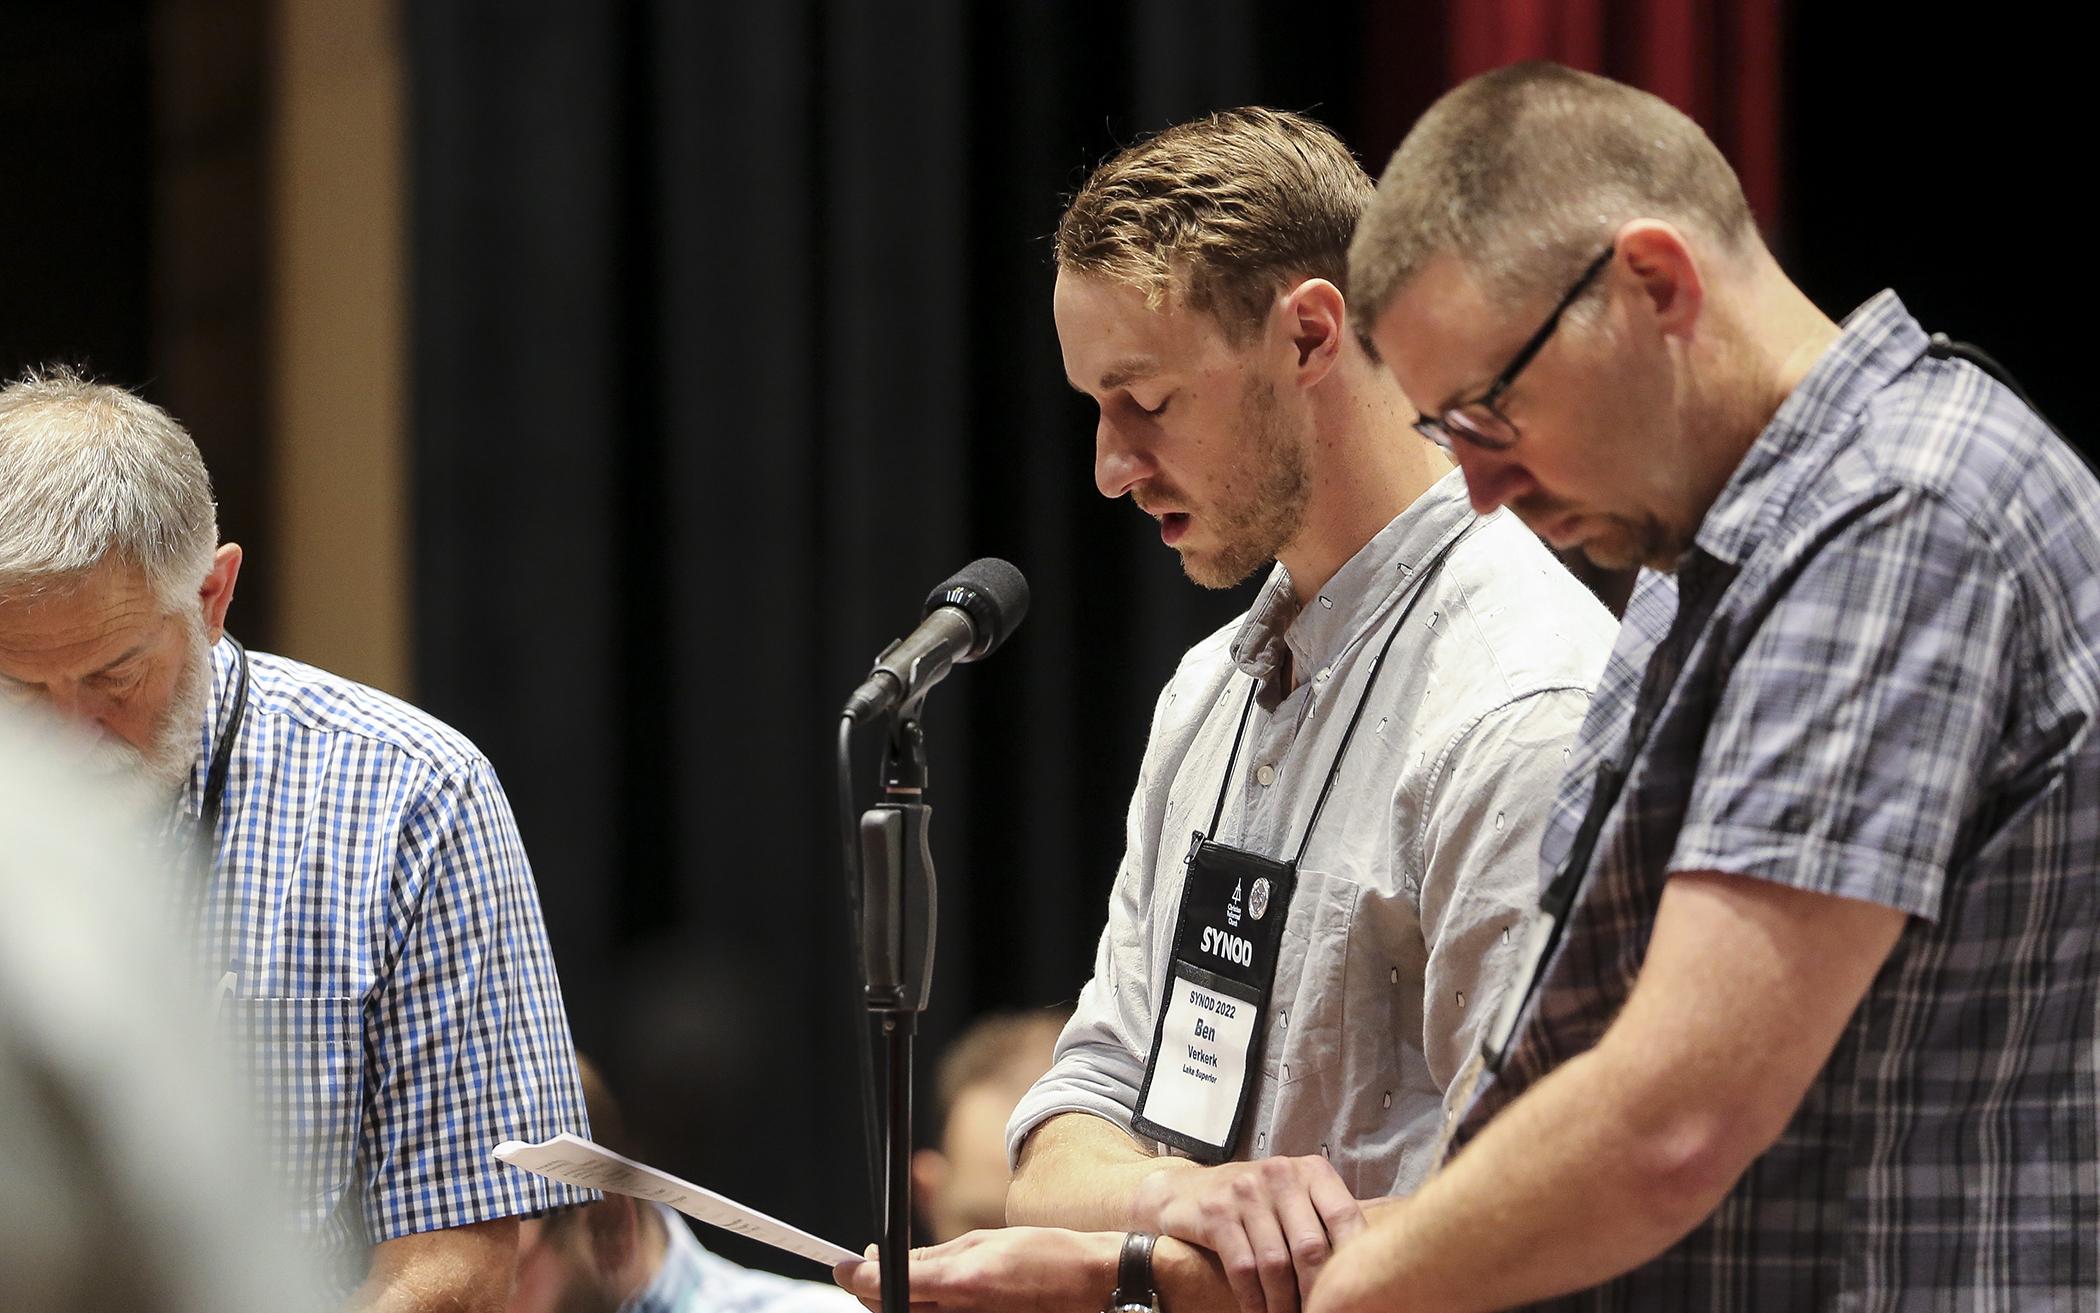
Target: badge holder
(1208,1037)
(1206,1045)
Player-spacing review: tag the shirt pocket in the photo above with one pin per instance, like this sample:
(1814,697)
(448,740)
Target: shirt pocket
(1306,1014)
(304,1059)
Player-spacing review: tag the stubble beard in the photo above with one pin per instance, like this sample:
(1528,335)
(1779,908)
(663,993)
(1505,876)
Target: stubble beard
(1631,543)
(1260,510)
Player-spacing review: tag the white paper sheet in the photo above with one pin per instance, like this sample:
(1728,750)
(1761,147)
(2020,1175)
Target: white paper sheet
(579,1162)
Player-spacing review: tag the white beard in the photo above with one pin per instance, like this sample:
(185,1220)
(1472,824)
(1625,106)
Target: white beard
(160,775)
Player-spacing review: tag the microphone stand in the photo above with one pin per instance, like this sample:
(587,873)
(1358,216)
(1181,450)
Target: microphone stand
(898,915)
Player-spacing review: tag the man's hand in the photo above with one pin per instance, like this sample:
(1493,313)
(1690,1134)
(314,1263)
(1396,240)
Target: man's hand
(1019,1269)
(1272,1223)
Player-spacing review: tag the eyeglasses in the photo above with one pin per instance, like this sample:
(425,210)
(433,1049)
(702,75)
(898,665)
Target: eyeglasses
(1477,421)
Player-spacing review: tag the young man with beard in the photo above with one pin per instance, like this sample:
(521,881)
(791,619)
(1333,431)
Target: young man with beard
(1367,754)
(370,921)
(1814,1022)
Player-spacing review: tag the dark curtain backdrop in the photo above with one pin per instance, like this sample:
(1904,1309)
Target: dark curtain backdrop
(732,339)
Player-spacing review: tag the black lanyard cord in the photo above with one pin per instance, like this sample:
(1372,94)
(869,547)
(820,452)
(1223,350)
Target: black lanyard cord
(1217,813)
(222,751)
(1943,347)
(1363,701)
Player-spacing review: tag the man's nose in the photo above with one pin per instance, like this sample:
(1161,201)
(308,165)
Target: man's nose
(68,701)
(1493,479)
(78,705)
(1119,463)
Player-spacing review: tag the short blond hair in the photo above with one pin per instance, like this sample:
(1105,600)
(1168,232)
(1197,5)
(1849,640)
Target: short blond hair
(1525,174)
(1223,211)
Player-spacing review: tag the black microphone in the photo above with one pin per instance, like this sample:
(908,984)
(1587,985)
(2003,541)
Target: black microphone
(967,618)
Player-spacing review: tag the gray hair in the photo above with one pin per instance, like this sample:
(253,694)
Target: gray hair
(90,472)
(1526,173)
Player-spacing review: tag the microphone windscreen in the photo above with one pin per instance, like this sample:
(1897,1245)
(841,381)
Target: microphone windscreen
(992,593)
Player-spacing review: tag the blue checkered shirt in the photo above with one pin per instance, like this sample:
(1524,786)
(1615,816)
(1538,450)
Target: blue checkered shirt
(1875,676)
(391,990)
(691,1280)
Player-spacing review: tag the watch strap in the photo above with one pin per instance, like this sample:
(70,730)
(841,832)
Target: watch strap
(1134,1287)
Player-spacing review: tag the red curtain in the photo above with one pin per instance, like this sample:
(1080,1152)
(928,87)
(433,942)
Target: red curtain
(1717,60)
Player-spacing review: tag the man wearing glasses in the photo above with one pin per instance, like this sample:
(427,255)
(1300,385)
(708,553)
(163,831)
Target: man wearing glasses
(1809,1016)
(1278,1006)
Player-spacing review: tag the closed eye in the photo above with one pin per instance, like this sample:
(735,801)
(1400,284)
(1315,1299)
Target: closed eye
(115,677)
(1155,410)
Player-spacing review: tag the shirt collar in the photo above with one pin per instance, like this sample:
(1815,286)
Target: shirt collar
(1359,592)
(1878,342)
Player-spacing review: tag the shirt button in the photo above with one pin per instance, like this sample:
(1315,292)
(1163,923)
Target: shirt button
(1265,774)
(1322,676)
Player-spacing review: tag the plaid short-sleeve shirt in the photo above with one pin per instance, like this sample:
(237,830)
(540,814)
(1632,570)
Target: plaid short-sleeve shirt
(1875,675)
(383,966)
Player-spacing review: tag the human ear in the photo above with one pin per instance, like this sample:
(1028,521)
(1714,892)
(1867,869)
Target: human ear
(1659,260)
(216,593)
(1316,318)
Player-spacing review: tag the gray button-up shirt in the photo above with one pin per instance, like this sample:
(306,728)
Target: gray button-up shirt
(1402,932)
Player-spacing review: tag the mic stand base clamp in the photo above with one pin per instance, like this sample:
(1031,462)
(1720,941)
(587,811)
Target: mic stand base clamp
(899,919)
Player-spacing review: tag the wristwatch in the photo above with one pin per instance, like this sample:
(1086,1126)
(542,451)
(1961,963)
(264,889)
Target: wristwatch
(1135,1292)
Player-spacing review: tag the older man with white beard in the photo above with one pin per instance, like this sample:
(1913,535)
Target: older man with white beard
(374,940)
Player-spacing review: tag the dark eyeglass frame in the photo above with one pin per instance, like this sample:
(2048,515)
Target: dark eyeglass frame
(1499,433)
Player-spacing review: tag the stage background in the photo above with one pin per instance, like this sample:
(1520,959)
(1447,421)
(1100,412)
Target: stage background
(615,380)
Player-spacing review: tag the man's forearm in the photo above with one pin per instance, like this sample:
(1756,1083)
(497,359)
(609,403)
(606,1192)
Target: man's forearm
(466,1269)
(1551,1197)
(427,1291)
(1080,1172)
(1618,1153)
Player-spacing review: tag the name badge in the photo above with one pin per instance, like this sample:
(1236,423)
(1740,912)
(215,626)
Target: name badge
(1211,1022)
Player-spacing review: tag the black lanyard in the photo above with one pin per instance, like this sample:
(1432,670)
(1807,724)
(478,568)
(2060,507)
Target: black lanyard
(222,751)
(1363,700)
(213,892)
(1658,680)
